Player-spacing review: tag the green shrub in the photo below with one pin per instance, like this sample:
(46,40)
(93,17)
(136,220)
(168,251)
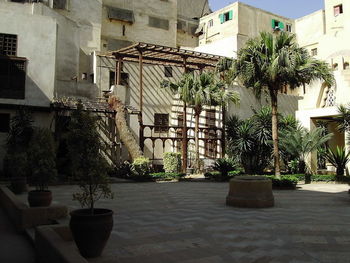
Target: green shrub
(141,167)
(166,176)
(234,173)
(218,177)
(323,178)
(286,181)
(172,162)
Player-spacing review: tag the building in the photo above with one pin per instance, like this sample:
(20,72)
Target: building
(324,33)
(48,47)
(54,49)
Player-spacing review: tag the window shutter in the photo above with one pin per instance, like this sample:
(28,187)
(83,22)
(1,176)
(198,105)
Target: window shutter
(281,25)
(230,15)
(222,18)
(273,23)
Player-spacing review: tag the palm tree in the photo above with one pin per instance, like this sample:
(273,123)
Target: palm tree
(273,62)
(198,91)
(298,143)
(126,134)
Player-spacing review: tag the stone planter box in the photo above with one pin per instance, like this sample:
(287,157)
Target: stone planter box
(23,216)
(250,192)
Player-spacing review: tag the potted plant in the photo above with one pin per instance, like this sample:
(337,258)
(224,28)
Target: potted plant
(16,161)
(16,166)
(90,226)
(42,160)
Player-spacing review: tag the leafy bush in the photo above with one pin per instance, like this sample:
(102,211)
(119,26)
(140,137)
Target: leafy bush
(42,158)
(141,167)
(224,165)
(323,178)
(234,173)
(172,162)
(286,181)
(122,171)
(166,176)
(218,177)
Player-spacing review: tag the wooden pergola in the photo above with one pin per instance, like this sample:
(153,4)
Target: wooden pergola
(143,53)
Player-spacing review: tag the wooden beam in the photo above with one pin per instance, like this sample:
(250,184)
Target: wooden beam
(118,71)
(141,131)
(184,130)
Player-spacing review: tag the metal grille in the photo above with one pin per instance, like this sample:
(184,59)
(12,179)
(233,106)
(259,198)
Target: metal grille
(12,78)
(161,122)
(8,45)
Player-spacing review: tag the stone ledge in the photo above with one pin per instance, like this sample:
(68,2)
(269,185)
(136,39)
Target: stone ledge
(54,244)
(24,216)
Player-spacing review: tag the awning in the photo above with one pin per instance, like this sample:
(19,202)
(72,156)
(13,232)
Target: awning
(200,30)
(121,14)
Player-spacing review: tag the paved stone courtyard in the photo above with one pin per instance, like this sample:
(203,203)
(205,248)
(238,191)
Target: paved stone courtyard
(189,223)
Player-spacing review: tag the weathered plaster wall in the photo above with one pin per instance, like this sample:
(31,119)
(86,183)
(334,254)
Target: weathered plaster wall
(37,42)
(140,31)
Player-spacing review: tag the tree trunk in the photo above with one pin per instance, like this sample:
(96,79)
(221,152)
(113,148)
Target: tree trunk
(125,133)
(196,136)
(276,154)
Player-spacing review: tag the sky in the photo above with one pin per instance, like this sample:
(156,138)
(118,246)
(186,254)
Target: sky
(287,8)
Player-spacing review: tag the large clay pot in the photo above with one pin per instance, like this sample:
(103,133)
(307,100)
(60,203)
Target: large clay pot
(38,198)
(19,185)
(91,231)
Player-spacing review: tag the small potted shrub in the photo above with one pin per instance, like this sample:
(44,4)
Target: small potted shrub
(90,226)
(42,160)
(16,166)
(16,161)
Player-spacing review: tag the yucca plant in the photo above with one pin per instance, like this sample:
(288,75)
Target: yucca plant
(339,158)
(224,165)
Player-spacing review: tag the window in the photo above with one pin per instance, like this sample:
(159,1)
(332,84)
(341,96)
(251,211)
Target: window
(8,45)
(289,28)
(120,14)
(60,4)
(161,122)
(12,78)
(124,78)
(210,23)
(4,122)
(277,25)
(181,25)
(168,72)
(226,17)
(158,23)
(314,52)
(338,9)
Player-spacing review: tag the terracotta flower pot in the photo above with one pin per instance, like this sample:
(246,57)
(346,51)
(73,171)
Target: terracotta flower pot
(38,198)
(91,231)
